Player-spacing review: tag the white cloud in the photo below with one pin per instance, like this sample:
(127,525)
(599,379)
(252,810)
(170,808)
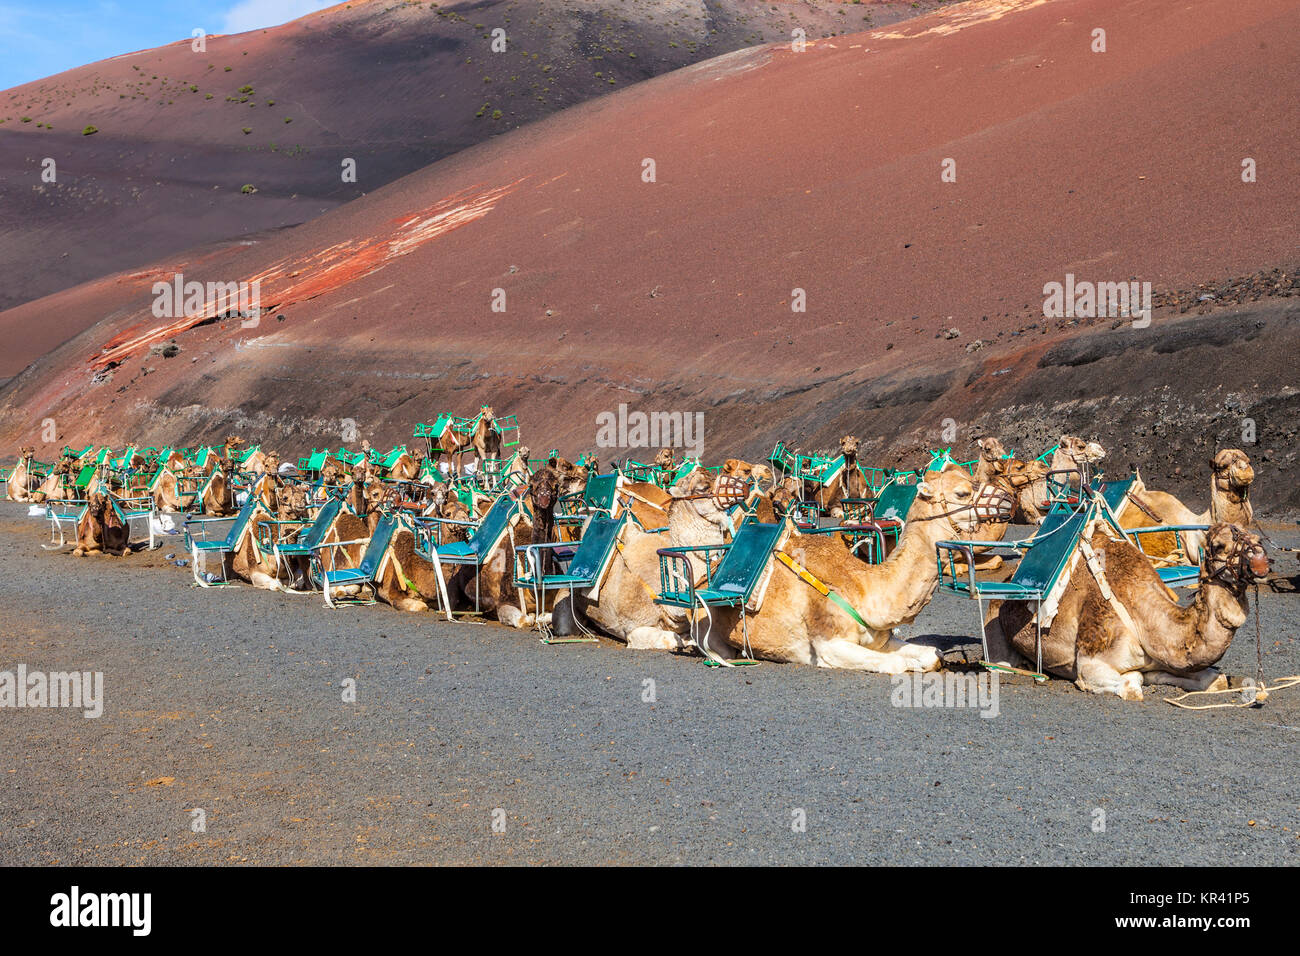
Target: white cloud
(256,14)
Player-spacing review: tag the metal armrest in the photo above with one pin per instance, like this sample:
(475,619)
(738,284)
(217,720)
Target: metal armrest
(967,550)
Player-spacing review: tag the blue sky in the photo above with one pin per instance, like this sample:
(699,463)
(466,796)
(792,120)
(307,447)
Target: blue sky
(41,37)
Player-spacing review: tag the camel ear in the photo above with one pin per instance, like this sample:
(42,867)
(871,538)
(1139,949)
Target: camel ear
(925,490)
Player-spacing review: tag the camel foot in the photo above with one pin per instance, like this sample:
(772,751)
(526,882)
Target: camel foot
(898,657)
(1098,677)
(655,639)
(413,605)
(1208,679)
(511,616)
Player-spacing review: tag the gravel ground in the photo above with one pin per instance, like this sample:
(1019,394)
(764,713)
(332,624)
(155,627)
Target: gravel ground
(231,701)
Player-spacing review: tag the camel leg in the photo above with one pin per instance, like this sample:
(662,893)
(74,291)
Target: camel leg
(261,579)
(511,616)
(1000,649)
(1098,677)
(849,655)
(1208,679)
(655,639)
(926,657)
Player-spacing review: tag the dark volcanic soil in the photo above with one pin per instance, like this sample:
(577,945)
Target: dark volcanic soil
(230,702)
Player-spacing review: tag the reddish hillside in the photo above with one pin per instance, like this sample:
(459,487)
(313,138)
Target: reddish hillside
(392,85)
(776,171)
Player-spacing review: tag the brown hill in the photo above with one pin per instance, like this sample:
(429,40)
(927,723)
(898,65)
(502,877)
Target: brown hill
(392,85)
(778,171)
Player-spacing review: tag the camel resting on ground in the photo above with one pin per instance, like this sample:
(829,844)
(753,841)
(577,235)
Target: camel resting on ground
(1141,634)
(797,623)
(100,530)
(16,488)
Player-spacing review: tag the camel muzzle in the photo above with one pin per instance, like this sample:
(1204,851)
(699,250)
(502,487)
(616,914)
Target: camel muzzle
(994,505)
(1260,564)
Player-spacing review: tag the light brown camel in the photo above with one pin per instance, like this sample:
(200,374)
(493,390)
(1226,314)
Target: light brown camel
(1140,634)
(20,478)
(625,605)
(56,485)
(1231,476)
(849,483)
(218,498)
(100,531)
(797,623)
(166,494)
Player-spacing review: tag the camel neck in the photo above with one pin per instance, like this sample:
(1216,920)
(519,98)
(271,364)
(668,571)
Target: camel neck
(1218,612)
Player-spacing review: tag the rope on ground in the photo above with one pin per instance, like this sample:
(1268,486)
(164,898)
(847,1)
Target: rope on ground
(1250,695)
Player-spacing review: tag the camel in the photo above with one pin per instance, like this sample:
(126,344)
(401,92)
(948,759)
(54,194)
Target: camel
(494,581)
(1231,476)
(55,486)
(485,440)
(796,623)
(849,483)
(519,466)
(17,488)
(166,493)
(100,531)
(625,607)
(1024,481)
(407,466)
(1140,635)
(1074,455)
(1077,455)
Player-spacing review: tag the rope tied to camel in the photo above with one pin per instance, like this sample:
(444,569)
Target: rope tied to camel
(1249,695)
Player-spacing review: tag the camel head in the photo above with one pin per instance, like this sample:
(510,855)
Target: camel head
(1080,451)
(990,448)
(27,453)
(544,489)
(572,478)
(524,453)
(1234,557)
(849,447)
(664,459)
(738,469)
(1011,473)
(709,496)
(489,416)
(784,496)
(952,496)
(376,494)
(1232,470)
(293,501)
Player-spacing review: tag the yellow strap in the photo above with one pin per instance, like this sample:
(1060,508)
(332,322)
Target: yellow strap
(803,572)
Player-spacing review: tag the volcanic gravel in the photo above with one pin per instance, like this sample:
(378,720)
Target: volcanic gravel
(230,701)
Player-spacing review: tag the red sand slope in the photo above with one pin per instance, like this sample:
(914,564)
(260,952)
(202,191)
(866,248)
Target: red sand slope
(775,171)
(393,85)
